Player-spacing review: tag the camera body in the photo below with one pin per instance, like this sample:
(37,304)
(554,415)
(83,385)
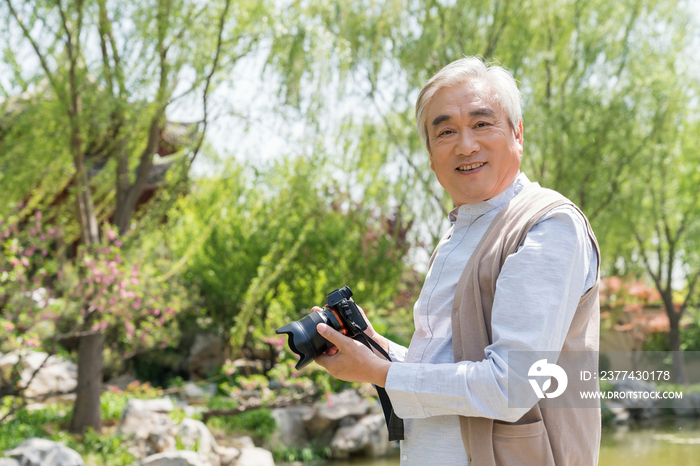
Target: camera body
(340,313)
(348,315)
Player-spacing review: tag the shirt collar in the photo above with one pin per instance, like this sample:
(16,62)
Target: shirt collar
(480,208)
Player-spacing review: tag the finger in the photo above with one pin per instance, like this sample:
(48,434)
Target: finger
(316,309)
(337,338)
(331,351)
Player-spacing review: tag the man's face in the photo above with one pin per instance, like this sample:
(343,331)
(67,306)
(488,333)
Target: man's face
(473,150)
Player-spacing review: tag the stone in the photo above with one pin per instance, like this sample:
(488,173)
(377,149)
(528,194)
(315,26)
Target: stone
(9,462)
(368,436)
(148,427)
(639,408)
(228,456)
(42,452)
(206,356)
(194,435)
(619,410)
(688,406)
(158,405)
(327,415)
(57,375)
(291,431)
(175,458)
(243,442)
(255,457)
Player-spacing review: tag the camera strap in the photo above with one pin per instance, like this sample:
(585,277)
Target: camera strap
(394,423)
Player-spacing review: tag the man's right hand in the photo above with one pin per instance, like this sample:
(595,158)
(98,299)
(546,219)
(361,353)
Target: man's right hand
(370,332)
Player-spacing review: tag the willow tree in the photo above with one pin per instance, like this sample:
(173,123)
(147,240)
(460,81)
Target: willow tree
(572,59)
(610,109)
(103,76)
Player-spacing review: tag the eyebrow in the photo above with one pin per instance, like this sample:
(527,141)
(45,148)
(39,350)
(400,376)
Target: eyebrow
(483,111)
(440,118)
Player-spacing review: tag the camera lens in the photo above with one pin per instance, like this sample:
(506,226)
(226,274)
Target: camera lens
(304,340)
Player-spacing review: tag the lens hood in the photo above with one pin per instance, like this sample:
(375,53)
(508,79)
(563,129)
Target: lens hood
(304,339)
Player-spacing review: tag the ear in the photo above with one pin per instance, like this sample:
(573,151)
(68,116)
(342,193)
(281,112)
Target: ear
(519,136)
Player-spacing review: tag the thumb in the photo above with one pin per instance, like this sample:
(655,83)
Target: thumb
(331,335)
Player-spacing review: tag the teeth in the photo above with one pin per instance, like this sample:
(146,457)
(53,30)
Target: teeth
(470,167)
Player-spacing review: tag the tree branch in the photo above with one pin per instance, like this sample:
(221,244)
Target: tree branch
(205,95)
(42,58)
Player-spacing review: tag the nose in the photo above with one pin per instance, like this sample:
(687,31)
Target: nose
(467,143)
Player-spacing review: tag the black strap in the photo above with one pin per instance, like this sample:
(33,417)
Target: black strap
(394,424)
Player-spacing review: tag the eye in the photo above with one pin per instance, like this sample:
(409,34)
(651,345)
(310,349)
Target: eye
(483,124)
(445,132)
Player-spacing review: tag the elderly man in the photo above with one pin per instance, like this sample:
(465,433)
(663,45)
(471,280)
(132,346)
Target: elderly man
(518,271)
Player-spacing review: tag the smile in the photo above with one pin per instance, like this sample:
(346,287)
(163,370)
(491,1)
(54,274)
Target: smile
(474,166)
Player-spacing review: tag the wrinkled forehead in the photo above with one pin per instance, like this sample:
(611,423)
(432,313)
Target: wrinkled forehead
(476,91)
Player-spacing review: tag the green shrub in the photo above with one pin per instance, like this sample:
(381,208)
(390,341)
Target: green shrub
(306,454)
(112,405)
(258,424)
(98,449)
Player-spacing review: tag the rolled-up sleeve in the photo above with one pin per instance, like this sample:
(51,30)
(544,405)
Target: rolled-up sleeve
(537,294)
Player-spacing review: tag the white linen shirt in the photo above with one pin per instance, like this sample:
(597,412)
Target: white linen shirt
(537,293)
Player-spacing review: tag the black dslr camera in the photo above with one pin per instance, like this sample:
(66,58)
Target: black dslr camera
(344,316)
(339,313)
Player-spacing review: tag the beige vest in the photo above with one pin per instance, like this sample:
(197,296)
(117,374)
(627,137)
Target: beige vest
(543,436)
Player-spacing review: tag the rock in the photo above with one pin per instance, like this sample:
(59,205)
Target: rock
(194,435)
(148,427)
(228,456)
(255,457)
(249,367)
(368,436)
(192,391)
(206,356)
(688,406)
(42,452)
(637,405)
(243,442)
(56,376)
(157,405)
(326,416)
(122,381)
(175,458)
(291,431)
(619,410)
(9,462)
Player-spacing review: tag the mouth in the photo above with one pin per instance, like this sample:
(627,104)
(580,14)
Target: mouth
(470,167)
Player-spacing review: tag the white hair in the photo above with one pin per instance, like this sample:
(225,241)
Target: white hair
(504,89)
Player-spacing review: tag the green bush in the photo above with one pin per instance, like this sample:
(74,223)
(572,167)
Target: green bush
(258,424)
(99,449)
(307,454)
(112,405)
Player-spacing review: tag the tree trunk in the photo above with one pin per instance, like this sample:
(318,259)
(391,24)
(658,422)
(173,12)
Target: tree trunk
(86,411)
(674,340)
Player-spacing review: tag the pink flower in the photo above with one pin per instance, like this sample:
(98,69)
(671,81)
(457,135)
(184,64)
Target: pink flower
(111,234)
(9,326)
(32,343)
(118,243)
(38,215)
(25,262)
(135,281)
(44,252)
